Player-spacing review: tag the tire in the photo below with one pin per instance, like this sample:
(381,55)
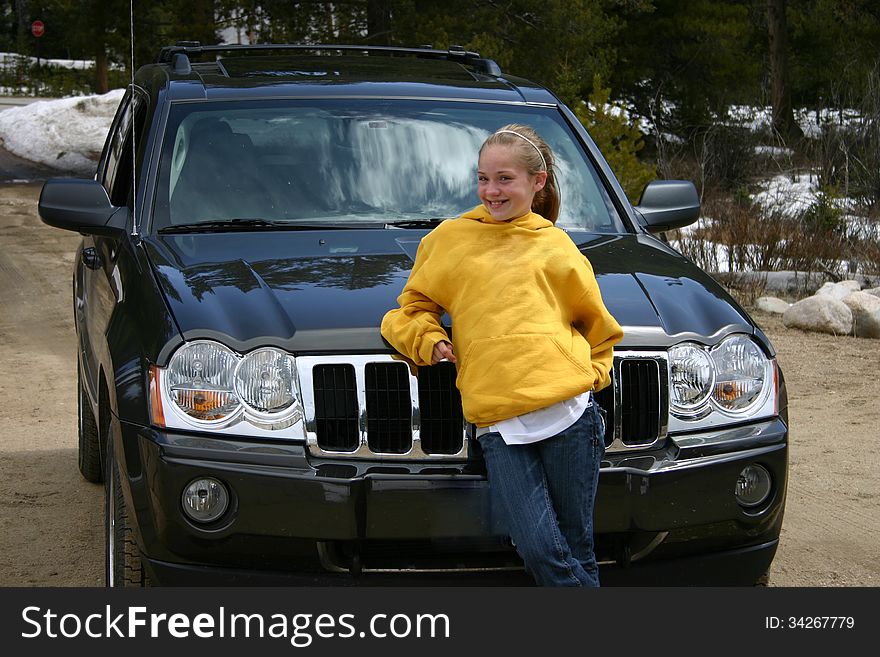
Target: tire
(89,438)
(763,580)
(123,566)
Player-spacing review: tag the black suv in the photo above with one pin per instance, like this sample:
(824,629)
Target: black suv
(256,211)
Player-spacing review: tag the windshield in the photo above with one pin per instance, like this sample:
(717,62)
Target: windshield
(352,162)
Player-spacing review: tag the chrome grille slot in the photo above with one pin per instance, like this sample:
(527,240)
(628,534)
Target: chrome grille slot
(440,404)
(641,403)
(389,408)
(336,407)
(640,396)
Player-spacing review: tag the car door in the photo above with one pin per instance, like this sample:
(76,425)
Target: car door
(98,288)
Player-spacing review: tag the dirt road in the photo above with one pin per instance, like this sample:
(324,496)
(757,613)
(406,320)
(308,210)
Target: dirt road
(51,520)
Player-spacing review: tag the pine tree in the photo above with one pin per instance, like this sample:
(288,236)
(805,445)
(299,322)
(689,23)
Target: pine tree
(619,140)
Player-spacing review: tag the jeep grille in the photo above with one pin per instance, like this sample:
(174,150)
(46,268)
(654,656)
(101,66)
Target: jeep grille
(378,407)
(639,400)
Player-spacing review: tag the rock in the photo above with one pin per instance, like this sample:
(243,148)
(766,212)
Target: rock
(828,289)
(873,290)
(824,313)
(775,282)
(787,283)
(866,314)
(772,305)
(839,290)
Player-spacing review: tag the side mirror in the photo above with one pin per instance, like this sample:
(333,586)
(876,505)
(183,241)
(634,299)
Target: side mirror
(80,205)
(668,204)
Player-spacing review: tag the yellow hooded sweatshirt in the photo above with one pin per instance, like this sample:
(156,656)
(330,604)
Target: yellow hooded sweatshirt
(529,325)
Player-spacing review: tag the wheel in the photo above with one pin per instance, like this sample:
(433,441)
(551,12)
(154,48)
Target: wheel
(123,566)
(89,439)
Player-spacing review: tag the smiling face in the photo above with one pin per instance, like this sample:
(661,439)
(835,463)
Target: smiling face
(504,185)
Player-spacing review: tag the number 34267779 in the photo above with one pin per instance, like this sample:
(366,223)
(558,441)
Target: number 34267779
(809,622)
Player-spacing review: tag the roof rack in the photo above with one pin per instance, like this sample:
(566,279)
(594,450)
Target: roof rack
(454,54)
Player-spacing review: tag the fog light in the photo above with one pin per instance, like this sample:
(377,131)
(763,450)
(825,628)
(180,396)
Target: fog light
(205,499)
(752,486)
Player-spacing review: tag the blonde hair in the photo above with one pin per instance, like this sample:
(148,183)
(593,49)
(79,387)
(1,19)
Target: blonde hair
(535,155)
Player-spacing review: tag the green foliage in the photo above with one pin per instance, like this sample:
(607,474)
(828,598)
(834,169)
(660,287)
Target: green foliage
(619,141)
(282,21)
(726,156)
(824,217)
(833,50)
(89,29)
(558,43)
(741,197)
(682,63)
(26,78)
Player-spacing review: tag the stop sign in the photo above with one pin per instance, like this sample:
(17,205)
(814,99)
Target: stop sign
(37,28)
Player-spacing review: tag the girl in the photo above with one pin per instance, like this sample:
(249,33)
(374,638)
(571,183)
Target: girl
(532,339)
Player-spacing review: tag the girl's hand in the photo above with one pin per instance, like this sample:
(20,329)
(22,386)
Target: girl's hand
(442,351)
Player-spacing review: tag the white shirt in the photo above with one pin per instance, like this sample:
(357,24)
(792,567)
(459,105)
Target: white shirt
(541,424)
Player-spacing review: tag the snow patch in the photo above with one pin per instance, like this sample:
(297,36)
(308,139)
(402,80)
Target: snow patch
(787,195)
(66,134)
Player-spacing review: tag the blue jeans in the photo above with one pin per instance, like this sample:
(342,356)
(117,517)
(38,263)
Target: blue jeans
(544,493)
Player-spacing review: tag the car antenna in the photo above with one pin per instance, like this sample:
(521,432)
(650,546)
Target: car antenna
(134,218)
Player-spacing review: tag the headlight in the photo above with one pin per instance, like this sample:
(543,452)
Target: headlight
(741,373)
(692,377)
(207,385)
(732,377)
(199,381)
(265,382)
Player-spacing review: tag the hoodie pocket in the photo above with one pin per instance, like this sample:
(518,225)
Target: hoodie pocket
(508,375)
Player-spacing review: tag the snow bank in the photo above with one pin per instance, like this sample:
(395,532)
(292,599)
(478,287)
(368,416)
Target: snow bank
(65,134)
(788,195)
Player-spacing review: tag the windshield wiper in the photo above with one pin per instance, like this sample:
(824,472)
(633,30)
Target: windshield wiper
(416,223)
(229,225)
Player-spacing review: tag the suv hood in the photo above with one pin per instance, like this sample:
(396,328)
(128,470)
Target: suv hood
(328,290)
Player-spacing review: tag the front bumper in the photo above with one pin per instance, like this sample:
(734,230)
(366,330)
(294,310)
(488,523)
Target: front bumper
(294,519)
